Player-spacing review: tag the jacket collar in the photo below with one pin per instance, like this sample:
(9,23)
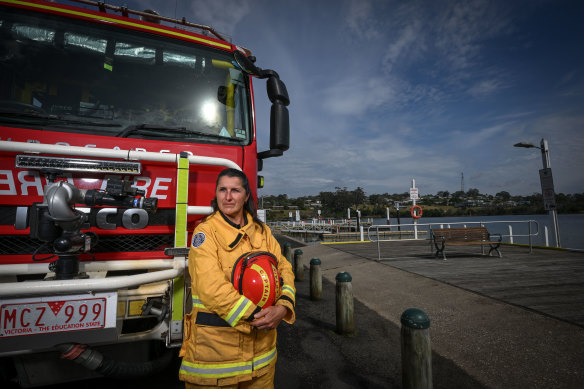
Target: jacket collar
(232,224)
(230,236)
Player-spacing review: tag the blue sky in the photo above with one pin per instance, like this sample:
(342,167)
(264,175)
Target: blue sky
(386,91)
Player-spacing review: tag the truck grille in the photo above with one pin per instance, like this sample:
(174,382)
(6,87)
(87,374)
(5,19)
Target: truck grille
(23,245)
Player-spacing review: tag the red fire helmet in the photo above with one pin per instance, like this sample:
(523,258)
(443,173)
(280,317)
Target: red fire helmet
(255,275)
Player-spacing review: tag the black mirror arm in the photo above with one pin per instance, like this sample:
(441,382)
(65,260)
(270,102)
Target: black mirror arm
(266,73)
(270,153)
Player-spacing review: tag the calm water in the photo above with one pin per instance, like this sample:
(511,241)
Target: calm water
(571,227)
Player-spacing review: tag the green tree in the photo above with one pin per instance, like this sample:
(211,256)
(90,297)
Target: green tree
(358,197)
(503,196)
(472,193)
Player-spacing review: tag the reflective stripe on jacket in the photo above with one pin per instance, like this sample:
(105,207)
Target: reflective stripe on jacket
(219,342)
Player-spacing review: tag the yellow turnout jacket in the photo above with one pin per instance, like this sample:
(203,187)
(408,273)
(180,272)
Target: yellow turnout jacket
(218,340)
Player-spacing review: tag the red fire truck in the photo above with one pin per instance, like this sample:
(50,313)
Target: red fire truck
(114,124)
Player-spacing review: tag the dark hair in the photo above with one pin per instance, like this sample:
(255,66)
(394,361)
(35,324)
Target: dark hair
(249,205)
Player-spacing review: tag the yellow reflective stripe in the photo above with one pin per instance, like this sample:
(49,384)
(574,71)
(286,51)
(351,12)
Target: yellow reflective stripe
(197,303)
(178,286)
(215,370)
(289,289)
(264,359)
(234,315)
(112,20)
(183,180)
(219,370)
(182,189)
(180,232)
(238,311)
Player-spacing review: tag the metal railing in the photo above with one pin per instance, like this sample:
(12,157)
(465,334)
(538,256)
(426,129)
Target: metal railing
(375,232)
(316,226)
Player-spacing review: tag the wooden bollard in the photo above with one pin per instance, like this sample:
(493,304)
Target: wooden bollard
(344,301)
(298,265)
(288,252)
(416,350)
(315,279)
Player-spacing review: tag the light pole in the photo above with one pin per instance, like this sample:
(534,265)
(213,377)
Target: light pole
(547,184)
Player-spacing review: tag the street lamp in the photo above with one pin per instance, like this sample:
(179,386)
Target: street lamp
(547,184)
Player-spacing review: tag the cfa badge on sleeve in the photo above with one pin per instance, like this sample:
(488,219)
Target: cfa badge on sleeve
(198,239)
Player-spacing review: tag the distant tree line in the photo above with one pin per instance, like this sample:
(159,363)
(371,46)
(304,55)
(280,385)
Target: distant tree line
(335,204)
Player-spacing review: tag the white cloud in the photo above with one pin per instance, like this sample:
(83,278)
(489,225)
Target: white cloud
(484,88)
(223,16)
(361,19)
(357,94)
(409,39)
(463,25)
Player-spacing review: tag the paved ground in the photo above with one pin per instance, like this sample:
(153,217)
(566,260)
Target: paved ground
(477,341)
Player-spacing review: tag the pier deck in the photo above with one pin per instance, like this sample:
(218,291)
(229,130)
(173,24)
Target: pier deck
(547,281)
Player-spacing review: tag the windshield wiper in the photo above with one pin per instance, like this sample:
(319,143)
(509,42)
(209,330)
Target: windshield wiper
(47,119)
(174,130)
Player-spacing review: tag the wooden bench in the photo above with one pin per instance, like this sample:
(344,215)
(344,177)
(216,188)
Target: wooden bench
(442,237)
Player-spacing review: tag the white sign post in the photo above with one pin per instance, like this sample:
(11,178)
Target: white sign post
(413,192)
(414,197)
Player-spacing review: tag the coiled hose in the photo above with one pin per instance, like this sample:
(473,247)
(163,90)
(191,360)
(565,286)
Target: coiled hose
(96,361)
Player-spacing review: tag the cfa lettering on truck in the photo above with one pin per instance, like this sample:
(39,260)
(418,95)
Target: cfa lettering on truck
(114,124)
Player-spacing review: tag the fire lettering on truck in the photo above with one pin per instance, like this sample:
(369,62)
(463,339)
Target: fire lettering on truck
(28,182)
(35,182)
(7,181)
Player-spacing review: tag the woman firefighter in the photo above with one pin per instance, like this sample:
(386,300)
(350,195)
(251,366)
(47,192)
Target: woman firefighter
(242,289)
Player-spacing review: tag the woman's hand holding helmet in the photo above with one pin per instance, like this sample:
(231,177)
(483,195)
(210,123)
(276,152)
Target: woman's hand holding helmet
(269,318)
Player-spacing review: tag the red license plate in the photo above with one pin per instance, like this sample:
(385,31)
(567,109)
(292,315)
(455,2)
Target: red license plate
(56,314)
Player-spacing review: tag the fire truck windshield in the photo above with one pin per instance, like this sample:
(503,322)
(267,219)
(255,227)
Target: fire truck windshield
(59,74)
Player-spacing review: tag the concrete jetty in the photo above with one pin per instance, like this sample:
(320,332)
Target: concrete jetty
(511,322)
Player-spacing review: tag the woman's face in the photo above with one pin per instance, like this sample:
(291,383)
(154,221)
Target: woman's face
(231,196)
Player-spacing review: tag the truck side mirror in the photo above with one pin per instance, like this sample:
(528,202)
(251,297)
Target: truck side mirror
(279,127)
(279,116)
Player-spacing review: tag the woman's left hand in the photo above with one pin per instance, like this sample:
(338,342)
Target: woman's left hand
(269,318)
